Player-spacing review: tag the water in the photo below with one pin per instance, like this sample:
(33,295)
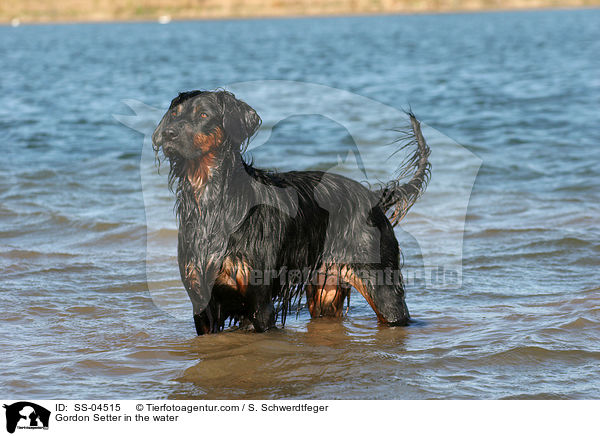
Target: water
(518,90)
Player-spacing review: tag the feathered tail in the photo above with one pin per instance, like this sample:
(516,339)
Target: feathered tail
(399,196)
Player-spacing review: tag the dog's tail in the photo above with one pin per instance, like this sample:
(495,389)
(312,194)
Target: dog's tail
(401,196)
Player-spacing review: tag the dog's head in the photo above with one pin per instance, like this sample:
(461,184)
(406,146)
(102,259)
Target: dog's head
(199,123)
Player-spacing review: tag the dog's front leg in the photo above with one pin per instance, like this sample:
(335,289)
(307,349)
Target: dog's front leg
(202,323)
(207,316)
(262,310)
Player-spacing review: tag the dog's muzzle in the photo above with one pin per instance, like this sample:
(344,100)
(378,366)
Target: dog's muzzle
(169,134)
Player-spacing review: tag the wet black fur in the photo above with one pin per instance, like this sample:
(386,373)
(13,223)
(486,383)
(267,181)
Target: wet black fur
(273,221)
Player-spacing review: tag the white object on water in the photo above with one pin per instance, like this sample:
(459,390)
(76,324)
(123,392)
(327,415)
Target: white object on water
(15,22)
(164,19)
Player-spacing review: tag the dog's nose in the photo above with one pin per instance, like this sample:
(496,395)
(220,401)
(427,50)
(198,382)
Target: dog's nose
(170,134)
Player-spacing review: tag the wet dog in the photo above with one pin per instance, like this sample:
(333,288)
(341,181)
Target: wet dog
(252,242)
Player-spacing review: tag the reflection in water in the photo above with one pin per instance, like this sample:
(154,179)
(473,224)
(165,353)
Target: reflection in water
(292,362)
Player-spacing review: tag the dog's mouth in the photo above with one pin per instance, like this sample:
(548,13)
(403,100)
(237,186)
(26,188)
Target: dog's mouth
(170,151)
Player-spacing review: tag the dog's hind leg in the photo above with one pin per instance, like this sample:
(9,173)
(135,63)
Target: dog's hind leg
(384,294)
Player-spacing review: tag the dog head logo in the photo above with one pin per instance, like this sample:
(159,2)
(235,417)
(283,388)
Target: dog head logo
(26,415)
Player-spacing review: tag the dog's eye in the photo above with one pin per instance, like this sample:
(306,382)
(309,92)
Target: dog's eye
(203,115)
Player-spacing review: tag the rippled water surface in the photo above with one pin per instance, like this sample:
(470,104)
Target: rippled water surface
(82,317)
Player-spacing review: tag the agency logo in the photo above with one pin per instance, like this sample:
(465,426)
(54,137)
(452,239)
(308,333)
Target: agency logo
(26,415)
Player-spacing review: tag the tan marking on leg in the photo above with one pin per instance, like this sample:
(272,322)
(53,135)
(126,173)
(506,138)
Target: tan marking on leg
(358,284)
(235,274)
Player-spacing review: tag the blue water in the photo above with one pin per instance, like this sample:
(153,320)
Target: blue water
(518,93)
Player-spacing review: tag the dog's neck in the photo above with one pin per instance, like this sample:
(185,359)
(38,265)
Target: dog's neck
(215,175)
(211,204)
(210,183)
(198,173)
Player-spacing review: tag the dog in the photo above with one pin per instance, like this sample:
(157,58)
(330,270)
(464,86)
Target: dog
(252,242)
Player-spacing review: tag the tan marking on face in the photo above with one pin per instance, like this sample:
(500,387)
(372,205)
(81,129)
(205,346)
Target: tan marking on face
(208,143)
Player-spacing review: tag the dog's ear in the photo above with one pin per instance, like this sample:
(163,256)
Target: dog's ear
(240,121)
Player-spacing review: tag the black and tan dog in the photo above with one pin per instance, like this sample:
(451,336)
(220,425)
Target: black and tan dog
(251,242)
